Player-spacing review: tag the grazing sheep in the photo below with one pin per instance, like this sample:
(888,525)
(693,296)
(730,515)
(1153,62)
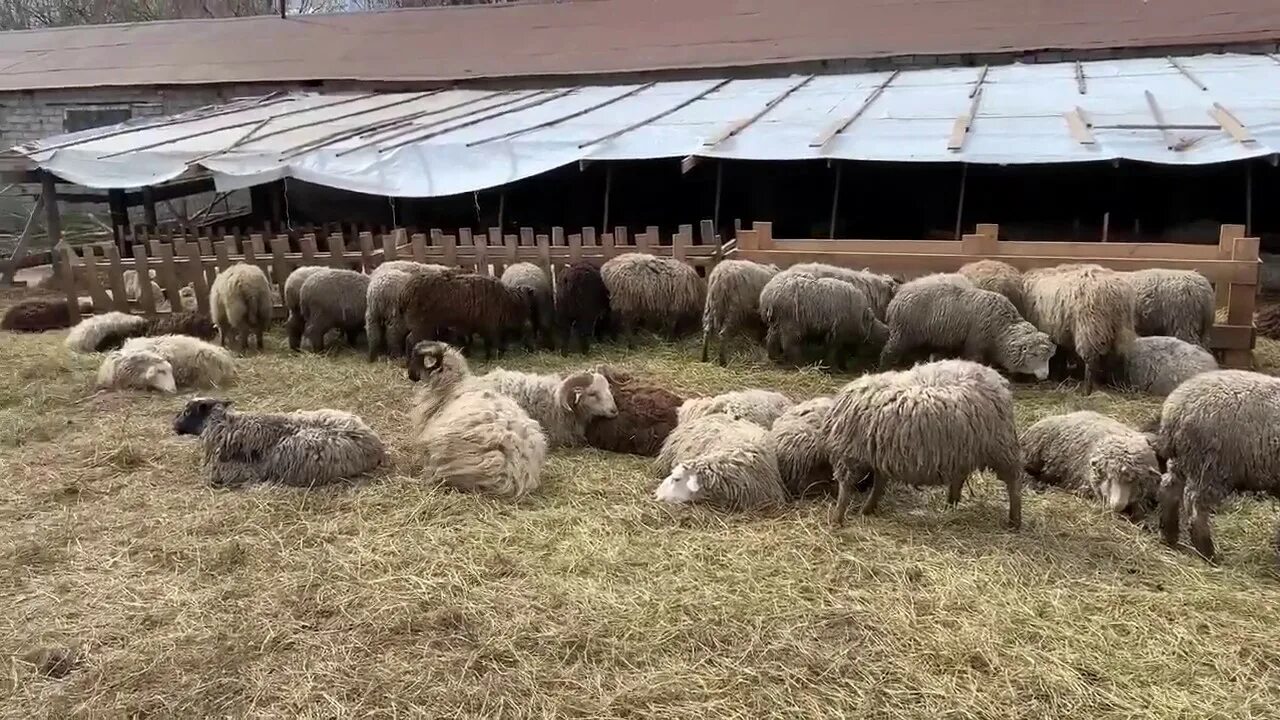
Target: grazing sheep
(40,314)
(136,370)
(1267,321)
(563,407)
(301,449)
(733,302)
(646,416)
(89,334)
(466,304)
(241,303)
(1158,364)
(878,289)
(1094,456)
(720,461)
(582,304)
(330,299)
(998,277)
(293,287)
(761,407)
(534,279)
(948,314)
(195,362)
(646,290)
(1218,433)
(195,324)
(471,439)
(934,424)
(801,445)
(383,317)
(1175,303)
(795,305)
(1087,309)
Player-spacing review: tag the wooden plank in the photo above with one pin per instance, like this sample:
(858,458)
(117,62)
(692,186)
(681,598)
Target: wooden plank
(389,251)
(480,243)
(607,247)
(146,299)
(1187,74)
(977,84)
(449,246)
(93,283)
(544,254)
(337,251)
(681,241)
(535,102)
(1081,86)
(196,271)
(707,233)
(1225,250)
(495,240)
(620,240)
(963,123)
(52,215)
(419,243)
(1242,296)
(279,249)
(69,287)
(115,277)
(842,124)
(562,118)
(513,244)
(366,251)
(1079,127)
(1231,337)
(169,277)
(575,248)
(206,246)
(1231,124)
(679,106)
(1156,113)
(738,126)
(307,244)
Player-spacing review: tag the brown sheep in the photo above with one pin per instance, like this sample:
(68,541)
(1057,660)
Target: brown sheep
(40,314)
(194,324)
(646,415)
(465,304)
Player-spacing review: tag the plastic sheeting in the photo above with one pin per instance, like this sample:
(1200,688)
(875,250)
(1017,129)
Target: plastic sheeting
(454,142)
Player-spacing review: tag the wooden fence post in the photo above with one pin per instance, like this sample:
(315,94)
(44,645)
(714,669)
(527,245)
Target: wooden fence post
(1227,235)
(168,276)
(69,283)
(984,241)
(146,298)
(1241,303)
(764,235)
(115,276)
(198,277)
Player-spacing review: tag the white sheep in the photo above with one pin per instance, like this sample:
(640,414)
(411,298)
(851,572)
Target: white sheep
(733,302)
(240,301)
(136,370)
(1087,309)
(563,407)
(1092,455)
(1174,303)
(720,461)
(761,407)
(90,332)
(195,362)
(798,434)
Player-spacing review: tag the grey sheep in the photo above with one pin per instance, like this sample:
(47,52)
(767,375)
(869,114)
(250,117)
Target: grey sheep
(934,424)
(1176,303)
(948,314)
(733,302)
(240,301)
(195,363)
(89,333)
(330,299)
(538,284)
(801,446)
(384,325)
(1158,364)
(761,407)
(1094,456)
(300,449)
(1218,433)
(1087,309)
(293,287)
(562,406)
(720,461)
(795,305)
(657,292)
(878,289)
(998,277)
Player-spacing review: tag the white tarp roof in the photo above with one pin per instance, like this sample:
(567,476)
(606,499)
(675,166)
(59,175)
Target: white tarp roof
(421,145)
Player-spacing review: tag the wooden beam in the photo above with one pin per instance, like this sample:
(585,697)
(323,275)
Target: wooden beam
(960,131)
(10,267)
(1079,126)
(480,119)
(977,85)
(738,126)
(678,106)
(1231,124)
(52,218)
(1187,74)
(577,113)
(390,133)
(149,207)
(843,124)
(1169,142)
(119,215)
(1081,85)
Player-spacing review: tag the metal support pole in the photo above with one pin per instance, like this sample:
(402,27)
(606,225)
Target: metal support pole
(715,213)
(52,218)
(502,208)
(1248,198)
(835,201)
(964,178)
(608,189)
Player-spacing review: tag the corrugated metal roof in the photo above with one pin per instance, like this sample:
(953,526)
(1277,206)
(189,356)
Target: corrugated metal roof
(603,36)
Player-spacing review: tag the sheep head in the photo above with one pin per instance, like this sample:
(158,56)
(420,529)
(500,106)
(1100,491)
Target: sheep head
(587,395)
(680,487)
(144,370)
(1124,472)
(1026,350)
(193,418)
(437,363)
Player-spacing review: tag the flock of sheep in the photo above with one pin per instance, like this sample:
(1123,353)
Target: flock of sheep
(938,411)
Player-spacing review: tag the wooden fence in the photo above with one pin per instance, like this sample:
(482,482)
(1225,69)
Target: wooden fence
(1231,265)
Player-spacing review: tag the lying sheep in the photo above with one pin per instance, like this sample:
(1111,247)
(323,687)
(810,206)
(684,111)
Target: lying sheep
(1157,365)
(383,316)
(240,300)
(934,424)
(795,305)
(1219,432)
(136,370)
(947,314)
(465,304)
(1093,456)
(799,437)
(534,279)
(1174,303)
(877,289)
(301,449)
(998,277)
(733,302)
(761,407)
(89,334)
(563,407)
(1087,309)
(40,315)
(656,292)
(582,305)
(646,416)
(195,363)
(330,299)
(720,461)
(195,324)
(471,439)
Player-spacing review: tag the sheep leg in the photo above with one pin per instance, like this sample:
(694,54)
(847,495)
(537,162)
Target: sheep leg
(773,344)
(1198,522)
(723,357)
(224,334)
(1170,499)
(315,336)
(244,340)
(1012,479)
(353,336)
(293,326)
(955,491)
(847,478)
(877,492)
(706,342)
(1090,372)
(376,339)
(260,332)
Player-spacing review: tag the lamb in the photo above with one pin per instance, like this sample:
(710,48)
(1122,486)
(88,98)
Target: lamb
(563,407)
(798,434)
(1087,309)
(300,449)
(998,277)
(195,362)
(40,315)
(878,289)
(1093,456)
(1175,303)
(1157,365)
(795,305)
(721,461)
(654,291)
(240,300)
(88,335)
(948,314)
(646,416)
(934,424)
(733,302)
(329,299)
(534,279)
(466,304)
(582,305)
(137,370)
(471,439)
(383,318)
(1219,432)
(761,407)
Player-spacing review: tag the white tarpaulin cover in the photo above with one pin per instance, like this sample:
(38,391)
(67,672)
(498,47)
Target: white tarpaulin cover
(454,141)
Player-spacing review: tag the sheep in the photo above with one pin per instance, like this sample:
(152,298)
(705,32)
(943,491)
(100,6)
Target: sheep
(137,370)
(241,303)
(1093,456)
(1157,365)
(761,407)
(1218,432)
(1176,303)
(1267,321)
(795,305)
(654,291)
(293,287)
(582,305)
(538,283)
(466,304)
(733,302)
(195,362)
(300,449)
(878,289)
(721,461)
(40,314)
(88,335)
(801,446)
(646,416)
(563,407)
(999,277)
(471,439)
(934,424)
(329,299)
(187,298)
(133,287)
(195,324)
(383,320)
(1087,309)
(948,314)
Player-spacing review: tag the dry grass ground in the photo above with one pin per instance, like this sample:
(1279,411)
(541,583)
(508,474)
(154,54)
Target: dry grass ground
(395,599)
